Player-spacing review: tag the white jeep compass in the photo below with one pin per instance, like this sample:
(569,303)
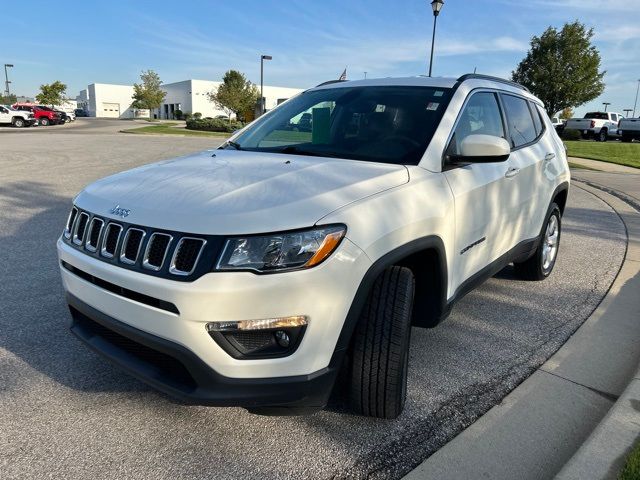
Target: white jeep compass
(309,243)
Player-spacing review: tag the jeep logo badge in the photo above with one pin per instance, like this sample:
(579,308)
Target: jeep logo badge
(121,212)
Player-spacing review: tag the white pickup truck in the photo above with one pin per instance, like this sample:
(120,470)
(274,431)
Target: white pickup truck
(598,125)
(629,129)
(16,118)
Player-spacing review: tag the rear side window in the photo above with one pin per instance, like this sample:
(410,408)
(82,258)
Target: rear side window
(481,115)
(522,130)
(614,117)
(537,121)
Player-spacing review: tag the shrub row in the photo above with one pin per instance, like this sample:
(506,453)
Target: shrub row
(214,125)
(571,135)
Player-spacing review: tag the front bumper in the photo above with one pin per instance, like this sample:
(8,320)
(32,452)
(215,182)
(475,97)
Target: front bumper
(324,294)
(175,370)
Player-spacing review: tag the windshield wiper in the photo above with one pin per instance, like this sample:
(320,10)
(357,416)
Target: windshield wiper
(293,150)
(235,145)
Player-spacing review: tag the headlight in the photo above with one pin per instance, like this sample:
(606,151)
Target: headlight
(281,251)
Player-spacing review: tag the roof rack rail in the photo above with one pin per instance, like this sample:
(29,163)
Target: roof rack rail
(329,82)
(480,76)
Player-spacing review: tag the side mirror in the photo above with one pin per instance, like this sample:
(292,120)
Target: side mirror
(483,149)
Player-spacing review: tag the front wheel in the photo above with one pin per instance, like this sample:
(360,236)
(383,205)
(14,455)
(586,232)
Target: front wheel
(44,121)
(67,120)
(380,348)
(18,122)
(540,265)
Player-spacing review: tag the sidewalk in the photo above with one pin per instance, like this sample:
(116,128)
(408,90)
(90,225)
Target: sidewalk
(603,166)
(537,429)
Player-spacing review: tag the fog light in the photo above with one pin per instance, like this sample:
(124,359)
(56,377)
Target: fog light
(262,324)
(282,338)
(263,338)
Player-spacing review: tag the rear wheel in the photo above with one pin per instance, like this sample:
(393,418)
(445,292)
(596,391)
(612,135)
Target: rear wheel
(540,265)
(603,135)
(380,349)
(18,122)
(44,121)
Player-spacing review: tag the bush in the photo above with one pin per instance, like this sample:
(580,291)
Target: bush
(571,135)
(197,115)
(186,116)
(214,125)
(178,114)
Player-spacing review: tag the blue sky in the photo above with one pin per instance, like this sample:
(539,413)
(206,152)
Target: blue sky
(311,41)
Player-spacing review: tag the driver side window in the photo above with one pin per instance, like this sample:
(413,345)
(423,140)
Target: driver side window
(481,116)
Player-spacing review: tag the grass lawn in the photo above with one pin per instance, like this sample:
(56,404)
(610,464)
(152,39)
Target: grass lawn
(631,470)
(613,152)
(167,129)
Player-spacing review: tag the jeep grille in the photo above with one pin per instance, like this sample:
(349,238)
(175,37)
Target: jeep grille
(175,255)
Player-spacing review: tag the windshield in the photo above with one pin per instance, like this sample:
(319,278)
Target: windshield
(597,115)
(390,124)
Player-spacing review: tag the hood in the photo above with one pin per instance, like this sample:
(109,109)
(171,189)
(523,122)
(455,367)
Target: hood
(237,192)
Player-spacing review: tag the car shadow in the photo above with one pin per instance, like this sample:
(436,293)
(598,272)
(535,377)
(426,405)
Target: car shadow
(34,315)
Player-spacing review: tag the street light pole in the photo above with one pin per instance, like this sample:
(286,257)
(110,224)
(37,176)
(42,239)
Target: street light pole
(436,6)
(606,104)
(626,112)
(636,102)
(7,82)
(262,59)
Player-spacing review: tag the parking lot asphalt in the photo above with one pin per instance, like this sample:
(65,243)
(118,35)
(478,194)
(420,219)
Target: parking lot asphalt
(67,413)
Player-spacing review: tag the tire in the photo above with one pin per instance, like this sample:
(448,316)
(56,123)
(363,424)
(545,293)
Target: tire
(626,139)
(380,347)
(44,121)
(67,120)
(18,122)
(603,136)
(540,265)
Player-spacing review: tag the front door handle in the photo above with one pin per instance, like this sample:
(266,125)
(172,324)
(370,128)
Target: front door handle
(549,156)
(512,172)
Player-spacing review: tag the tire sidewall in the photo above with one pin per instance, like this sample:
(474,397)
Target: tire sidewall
(555,211)
(18,123)
(44,121)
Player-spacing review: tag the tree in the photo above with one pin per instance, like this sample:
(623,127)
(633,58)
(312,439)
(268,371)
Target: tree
(52,94)
(566,113)
(562,68)
(236,94)
(148,94)
(10,100)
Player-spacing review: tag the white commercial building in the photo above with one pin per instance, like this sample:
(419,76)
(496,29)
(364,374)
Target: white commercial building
(188,96)
(107,100)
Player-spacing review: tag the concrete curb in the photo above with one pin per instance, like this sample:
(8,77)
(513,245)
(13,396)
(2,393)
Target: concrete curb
(603,454)
(542,426)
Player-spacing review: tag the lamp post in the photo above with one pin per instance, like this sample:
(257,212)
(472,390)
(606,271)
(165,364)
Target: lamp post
(626,112)
(436,6)
(6,76)
(262,59)
(606,104)
(636,102)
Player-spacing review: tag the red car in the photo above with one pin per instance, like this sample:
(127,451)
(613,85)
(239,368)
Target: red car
(44,115)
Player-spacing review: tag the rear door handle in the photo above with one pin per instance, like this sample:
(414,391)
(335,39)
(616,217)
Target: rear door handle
(512,172)
(549,156)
